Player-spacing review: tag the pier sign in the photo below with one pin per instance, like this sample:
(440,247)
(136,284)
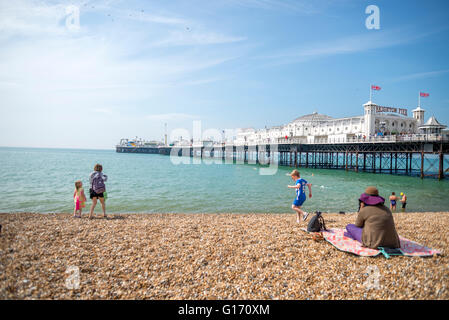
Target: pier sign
(390,109)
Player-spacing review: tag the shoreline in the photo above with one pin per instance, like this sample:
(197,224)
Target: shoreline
(98,213)
(209,256)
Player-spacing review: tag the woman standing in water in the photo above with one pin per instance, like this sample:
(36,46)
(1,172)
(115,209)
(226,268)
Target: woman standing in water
(393,201)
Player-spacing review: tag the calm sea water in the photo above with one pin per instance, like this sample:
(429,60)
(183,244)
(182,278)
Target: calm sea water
(42,180)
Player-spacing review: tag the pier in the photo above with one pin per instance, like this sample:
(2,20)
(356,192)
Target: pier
(420,158)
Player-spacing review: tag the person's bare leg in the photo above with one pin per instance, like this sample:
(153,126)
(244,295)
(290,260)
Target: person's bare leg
(92,208)
(74,212)
(298,213)
(103,206)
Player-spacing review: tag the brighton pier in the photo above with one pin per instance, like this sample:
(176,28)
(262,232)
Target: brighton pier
(377,142)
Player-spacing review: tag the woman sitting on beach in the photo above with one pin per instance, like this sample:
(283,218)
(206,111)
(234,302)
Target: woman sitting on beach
(374,226)
(97,188)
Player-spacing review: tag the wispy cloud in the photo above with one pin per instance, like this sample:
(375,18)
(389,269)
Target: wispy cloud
(345,45)
(191,38)
(171,117)
(419,75)
(31,18)
(53,59)
(138,15)
(102,110)
(307,7)
(197,82)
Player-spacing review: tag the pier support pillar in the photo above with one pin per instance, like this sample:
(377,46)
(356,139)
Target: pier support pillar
(350,164)
(422,164)
(364,161)
(257,154)
(440,167)
(391,162)
(346,160)
(396,162)
(406,163)
(380,162)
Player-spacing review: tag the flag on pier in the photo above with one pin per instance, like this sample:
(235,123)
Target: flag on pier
(422,94)
(373,87)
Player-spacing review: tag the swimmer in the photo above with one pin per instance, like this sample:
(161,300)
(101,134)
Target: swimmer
(393,200)
(403,201)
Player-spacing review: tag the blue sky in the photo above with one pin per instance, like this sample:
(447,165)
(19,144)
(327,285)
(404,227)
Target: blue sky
(132,66)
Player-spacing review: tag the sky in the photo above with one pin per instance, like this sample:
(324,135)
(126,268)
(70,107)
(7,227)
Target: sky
(84,74)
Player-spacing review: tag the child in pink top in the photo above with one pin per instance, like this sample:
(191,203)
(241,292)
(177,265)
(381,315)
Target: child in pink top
(79,198)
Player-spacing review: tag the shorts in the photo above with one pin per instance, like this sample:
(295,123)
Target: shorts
(93,194)
(299,202)
(403,205)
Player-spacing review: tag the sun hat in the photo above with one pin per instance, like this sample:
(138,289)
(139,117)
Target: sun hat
(371,197)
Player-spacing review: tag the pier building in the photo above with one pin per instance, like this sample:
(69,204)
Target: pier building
(382,140)
(377,121)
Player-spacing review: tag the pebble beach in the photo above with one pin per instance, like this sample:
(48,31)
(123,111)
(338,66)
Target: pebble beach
(210,256)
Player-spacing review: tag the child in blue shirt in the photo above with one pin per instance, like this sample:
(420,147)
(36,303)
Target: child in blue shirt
(300,186)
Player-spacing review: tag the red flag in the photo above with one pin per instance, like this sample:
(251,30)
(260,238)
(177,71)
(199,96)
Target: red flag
(375,87)
(422,94)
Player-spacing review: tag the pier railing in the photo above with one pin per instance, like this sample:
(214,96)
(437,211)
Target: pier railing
(372,139)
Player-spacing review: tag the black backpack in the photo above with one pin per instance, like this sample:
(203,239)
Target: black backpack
(316,224)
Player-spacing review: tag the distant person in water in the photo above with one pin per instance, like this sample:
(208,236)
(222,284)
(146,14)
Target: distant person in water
(300,186)
(79,198)
(374,226)
(393,201)
(97,189)
(403,201)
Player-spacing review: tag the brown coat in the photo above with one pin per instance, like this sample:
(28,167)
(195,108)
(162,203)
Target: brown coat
(378,227)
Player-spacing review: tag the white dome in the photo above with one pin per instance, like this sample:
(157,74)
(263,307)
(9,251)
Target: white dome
(313,117)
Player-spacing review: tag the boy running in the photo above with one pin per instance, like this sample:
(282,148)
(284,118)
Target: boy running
(300,186)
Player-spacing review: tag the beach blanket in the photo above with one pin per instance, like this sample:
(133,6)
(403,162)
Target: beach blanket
(409,248)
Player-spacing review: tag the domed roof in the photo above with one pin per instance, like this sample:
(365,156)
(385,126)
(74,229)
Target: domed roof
(433,122)
(418,109)
(313,117)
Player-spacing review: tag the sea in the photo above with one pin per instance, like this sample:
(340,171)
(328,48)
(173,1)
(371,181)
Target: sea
(42,181)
